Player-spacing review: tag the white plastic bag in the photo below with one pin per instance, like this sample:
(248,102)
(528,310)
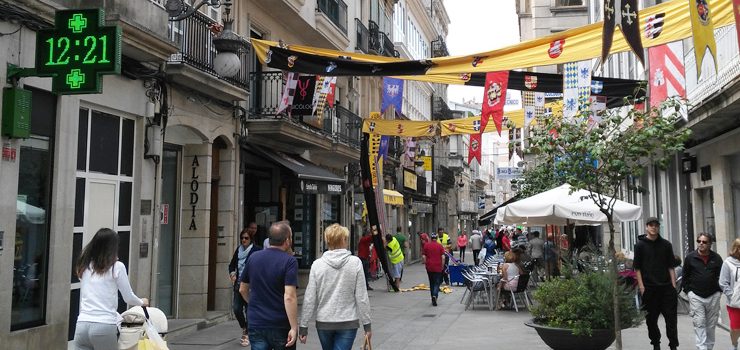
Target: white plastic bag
(482,254)
(153,334)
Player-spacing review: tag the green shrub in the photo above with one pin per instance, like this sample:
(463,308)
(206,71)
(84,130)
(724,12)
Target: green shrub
(583,303)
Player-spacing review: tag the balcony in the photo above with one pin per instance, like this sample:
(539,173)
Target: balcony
(445,177)
(440,110)
(715,97)
(331,22)
(379,42)
(389,49)
(338,133)
(336,11)
(363,37)
(439,48)
(194,37)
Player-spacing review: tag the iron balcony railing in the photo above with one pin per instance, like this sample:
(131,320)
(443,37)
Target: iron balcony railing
(194,35)
(388,49)
(374,44)
(363,36)
(336,11)
(440,110)
(728,62)
(339,124)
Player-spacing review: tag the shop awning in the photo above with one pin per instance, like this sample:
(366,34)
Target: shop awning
(311,177)
(392,197)
(486,218)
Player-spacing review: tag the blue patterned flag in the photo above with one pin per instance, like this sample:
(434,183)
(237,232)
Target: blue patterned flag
(576,87)
(392,94)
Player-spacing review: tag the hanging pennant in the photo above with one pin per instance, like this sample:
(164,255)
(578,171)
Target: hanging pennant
(576,87)
(702,29)
(622,13)
(330,94)
(494,99)
(303,99)
(286,100)
(474,148)
(666,74)
(392,94)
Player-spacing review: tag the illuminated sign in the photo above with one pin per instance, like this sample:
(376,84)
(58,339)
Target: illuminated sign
(78,51)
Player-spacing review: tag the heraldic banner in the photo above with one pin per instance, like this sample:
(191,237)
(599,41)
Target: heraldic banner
(405,128)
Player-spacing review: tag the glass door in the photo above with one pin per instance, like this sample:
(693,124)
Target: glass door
(169,228)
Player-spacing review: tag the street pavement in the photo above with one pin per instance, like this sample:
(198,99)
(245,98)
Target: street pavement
(409,321)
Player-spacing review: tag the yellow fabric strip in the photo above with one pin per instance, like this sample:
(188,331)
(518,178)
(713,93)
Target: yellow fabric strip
(580,44)
(403,128)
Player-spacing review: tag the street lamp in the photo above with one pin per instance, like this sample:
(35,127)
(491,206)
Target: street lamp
(227,43)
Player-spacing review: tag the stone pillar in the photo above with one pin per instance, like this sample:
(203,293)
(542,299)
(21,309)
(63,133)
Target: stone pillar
(194,226)
(228,230)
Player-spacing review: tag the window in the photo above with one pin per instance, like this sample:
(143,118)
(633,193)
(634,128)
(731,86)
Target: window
(569,3)
(33,208)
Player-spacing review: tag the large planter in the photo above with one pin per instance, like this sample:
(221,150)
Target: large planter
(563,339)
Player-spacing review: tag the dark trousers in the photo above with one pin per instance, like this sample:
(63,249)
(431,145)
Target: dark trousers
(661,300)
(239,307)
(366,269)
(435,280)
(462,253)
(269,339)
(476,261)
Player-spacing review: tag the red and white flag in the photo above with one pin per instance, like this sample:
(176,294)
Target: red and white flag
(667,74)
(474,148)
(291,80)
(494,99)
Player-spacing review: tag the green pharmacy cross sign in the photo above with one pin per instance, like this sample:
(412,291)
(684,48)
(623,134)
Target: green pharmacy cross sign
(78,51)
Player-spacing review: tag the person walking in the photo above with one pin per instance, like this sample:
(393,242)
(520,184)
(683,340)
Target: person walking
(432,255)
(395,255)
(475,245)
(102,277)
(728,277)
(536,250)
(336,294)
(363,252)
(403,242)
(268,284)
(462,243)
(656,280)
(236,267)
(701,270)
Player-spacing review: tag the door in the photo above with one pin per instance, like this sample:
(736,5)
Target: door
(169,230)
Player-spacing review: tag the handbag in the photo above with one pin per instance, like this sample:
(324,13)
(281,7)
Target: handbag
(367,345)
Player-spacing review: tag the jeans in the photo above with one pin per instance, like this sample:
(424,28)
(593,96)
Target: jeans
(462,253)
(435,280)
(96,336)
(476,261)
(270,339)
(661,300)
(704,313)
(240,307)
(337,339)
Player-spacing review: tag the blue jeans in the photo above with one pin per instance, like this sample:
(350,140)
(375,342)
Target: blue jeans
(270,339)
(239,307)
(337,339)
(435,280)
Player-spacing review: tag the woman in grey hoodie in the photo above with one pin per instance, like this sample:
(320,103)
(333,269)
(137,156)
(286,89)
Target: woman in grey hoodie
(727,281)
(336,294)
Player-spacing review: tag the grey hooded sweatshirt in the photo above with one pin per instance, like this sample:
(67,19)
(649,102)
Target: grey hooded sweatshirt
(727,276)
(336,293)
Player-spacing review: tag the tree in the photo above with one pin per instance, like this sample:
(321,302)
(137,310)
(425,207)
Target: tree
(600,154)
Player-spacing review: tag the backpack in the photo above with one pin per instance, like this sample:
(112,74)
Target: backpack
(735,297)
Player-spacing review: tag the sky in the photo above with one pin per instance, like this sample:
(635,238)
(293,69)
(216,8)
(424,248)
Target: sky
(477,26)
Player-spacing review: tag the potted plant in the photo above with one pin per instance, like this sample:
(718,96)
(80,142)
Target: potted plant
(577,313)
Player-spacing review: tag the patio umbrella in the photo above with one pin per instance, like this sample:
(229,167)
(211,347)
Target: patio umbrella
(560,207)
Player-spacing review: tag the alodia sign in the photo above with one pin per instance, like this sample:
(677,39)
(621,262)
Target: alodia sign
(78,51)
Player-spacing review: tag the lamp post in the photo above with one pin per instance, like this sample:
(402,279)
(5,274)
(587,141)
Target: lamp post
(227,43)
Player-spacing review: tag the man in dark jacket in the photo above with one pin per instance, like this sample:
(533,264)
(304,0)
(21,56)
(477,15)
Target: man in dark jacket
(701,283)
(656,278)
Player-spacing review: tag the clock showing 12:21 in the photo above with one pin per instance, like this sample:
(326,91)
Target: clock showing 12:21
(78,51)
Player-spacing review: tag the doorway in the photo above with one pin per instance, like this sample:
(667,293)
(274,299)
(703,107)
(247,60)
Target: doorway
(215,230)
(169,229)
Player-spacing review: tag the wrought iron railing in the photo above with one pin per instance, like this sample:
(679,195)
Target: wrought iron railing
(728,67)
(194,36)
(439,47)
(336,11)
(388,48)
(440,110)
(363,35)
(338,123)
(374,43)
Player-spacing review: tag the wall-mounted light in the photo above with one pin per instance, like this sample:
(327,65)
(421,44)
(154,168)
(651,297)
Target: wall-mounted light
(688,164)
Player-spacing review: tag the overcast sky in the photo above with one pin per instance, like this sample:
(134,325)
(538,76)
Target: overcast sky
(477,26)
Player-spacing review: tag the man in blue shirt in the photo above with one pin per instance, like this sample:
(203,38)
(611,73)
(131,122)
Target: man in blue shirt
(269,283)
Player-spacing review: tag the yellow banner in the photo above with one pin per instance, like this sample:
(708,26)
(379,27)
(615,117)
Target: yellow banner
(427,162)
(409,180)
(373,149)
(571,45)
(403,128)
(703,33)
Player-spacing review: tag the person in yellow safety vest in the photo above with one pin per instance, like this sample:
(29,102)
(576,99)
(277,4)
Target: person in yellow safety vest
(444,239)
(395,255)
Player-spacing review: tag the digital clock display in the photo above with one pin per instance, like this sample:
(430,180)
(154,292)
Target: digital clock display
(78,51)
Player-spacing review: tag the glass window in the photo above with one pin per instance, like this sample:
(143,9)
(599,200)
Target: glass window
(33,206)
(569,2)
(104,143)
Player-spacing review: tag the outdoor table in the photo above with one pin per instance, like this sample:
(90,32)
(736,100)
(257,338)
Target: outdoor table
(492,277)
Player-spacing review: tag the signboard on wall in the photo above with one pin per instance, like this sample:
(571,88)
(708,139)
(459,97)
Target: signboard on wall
(508,173)
(409,180)
(320,187)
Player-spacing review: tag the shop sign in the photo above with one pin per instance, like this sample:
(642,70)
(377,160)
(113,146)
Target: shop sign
(320,187)
(422,207)
(409,180)
(427,162)
(194,184)
(508,173)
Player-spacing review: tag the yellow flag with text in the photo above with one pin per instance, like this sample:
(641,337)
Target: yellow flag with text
(702,29)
